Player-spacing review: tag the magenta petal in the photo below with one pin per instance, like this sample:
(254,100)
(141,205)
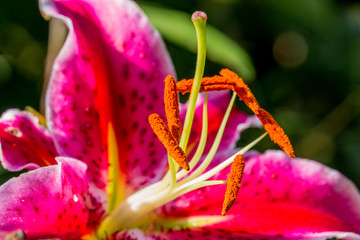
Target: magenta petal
(237,123)
(280,196)
(25,144)
(47,202)
(203,234)
(111,69)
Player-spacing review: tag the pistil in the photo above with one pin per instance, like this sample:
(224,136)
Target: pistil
(199,20)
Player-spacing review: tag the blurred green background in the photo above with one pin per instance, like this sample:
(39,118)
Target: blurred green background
(306,54)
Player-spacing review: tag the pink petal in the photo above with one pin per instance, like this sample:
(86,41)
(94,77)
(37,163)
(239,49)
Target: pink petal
(47,202)
(217,104)
(25,144)
(216,234)
(280,196)
(111,69)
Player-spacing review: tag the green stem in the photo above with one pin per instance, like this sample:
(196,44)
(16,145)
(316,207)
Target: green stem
(199,21)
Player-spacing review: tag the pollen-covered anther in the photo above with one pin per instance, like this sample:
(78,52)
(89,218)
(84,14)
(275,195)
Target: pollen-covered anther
(276,133)
(234,183)
(242,90)
(171,101)
(215,83)
(168,140)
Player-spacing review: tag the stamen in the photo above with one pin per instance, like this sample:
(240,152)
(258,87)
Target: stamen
(143,210)
(201,146)
(171,100)
(231,81)
(207,84)
(234,182)
(242,90)
(209,157)
(168,140)
(276,133)
(205,176)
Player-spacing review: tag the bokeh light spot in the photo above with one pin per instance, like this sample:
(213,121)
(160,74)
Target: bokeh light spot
(290,50)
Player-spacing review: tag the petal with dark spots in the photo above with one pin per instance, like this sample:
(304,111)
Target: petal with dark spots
(110,69)
(219,234)
(279,196)
(48,202)
(25,144)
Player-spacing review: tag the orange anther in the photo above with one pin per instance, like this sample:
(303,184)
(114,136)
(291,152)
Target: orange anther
(231,81)
(215,83)
(276,133)
(234,182)
(171,100)
(242,90)
(168,140)
(184,86)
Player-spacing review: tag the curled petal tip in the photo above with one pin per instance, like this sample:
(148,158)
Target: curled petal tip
(198,14)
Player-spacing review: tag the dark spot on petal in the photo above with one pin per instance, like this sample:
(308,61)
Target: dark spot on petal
(124,133)
(154,94)
(122,101)
(143,131)
(126,72)
(97,165)
(134,94)
(135,125)
(142,75)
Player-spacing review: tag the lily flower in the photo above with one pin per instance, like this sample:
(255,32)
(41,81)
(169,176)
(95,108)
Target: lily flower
(98,171)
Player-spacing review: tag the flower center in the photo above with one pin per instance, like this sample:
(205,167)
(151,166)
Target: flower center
(138,209)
